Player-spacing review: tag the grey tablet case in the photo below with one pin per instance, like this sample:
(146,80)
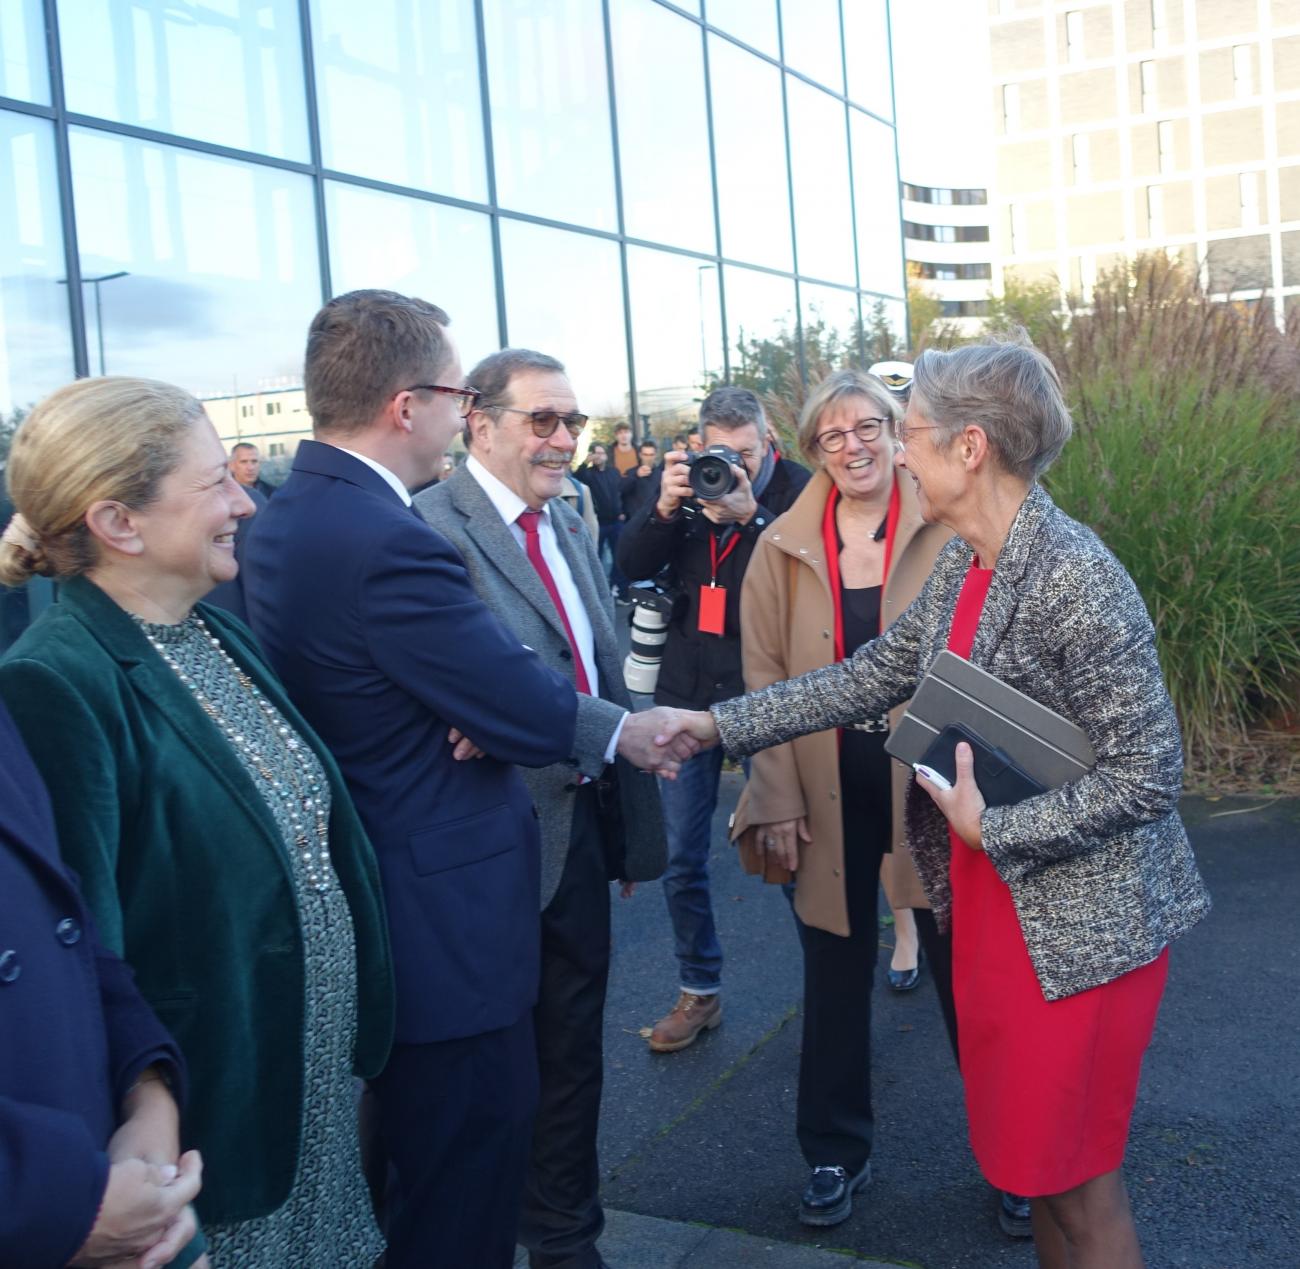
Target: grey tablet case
(1038,740)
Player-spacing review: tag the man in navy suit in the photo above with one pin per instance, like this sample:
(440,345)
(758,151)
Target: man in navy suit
(371,620)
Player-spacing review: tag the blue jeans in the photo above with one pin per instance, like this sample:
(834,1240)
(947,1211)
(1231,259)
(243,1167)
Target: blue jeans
(607,548)
(689,803)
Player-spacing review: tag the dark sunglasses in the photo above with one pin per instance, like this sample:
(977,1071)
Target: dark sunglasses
(546,421)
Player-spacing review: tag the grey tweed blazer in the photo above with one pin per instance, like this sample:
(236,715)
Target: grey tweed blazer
(500,572)
(1100,870)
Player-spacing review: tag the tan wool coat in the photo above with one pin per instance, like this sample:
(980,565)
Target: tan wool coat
(787,629)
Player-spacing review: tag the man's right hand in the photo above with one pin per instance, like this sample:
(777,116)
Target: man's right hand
(145,1217)
(674,485)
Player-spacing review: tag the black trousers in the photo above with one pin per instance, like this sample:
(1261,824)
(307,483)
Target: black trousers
(938,955)
(456,1120)
(561,1216)
(833,1117)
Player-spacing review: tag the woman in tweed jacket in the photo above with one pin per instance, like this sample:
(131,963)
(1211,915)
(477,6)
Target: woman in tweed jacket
(1061,906)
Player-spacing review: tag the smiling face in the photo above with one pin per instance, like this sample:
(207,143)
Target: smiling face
(186,536)
(937,472)
(862,469)
(532,466)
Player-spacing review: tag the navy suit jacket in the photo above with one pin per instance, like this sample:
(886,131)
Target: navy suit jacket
(74,1033)
(369,617)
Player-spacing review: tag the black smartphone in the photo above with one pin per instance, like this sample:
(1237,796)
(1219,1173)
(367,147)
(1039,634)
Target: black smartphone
(1000,781)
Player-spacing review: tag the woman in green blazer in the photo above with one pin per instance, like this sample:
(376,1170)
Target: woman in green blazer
(210,828)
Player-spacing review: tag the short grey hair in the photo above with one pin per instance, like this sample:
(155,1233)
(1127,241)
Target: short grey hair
(493,375)
(730,408)
(843,385)
(1004,386)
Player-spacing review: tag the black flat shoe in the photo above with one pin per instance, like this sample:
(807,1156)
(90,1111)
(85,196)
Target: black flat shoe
(828,1200)
(907,979)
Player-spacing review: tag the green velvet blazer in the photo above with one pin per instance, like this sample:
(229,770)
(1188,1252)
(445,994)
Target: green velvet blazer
(189,878)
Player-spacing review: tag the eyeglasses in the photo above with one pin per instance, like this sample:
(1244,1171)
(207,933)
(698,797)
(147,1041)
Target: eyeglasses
(546,421)
(904,434)
(468,396)
(864,429)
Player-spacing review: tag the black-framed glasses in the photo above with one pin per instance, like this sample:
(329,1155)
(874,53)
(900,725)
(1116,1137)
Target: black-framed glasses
(864,429)
(546,421)
(468,396)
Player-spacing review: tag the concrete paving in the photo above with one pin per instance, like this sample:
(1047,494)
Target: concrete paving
(699,1158)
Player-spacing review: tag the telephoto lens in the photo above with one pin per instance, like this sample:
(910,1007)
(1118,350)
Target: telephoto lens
(652,608)
(712,474)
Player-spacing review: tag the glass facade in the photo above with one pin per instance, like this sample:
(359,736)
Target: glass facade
(650,191)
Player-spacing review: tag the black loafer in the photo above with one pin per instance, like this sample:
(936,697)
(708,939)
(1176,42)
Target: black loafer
(1013,1215)
(828,1200)
(907,979)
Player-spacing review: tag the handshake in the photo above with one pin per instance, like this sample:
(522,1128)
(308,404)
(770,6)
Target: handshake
(661,739)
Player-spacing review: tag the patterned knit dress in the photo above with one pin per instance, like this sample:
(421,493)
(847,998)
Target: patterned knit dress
(326,1221)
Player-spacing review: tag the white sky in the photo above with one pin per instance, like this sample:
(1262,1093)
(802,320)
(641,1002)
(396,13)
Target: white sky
(942,92)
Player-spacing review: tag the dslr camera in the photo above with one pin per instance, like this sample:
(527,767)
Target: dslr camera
(711,473)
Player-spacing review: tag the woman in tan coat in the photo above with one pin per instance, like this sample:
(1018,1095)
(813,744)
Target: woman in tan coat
(841,565)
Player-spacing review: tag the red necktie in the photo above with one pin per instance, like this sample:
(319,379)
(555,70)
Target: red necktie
(533,545)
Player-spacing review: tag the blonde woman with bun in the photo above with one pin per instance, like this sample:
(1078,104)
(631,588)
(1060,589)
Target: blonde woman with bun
(215,841)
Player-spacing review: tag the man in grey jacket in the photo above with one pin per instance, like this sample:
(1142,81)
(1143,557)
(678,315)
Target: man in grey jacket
(532,562)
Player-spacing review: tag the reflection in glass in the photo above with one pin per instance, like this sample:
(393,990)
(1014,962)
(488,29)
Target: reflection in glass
(749,137)
(753,21)
(884,328)
(220,263)
(225,71)
(819,156)
(663,136)
(24,74)
(760,325)
(398,90)
(564,296)
(811,30)
(866,43)
(35,342)
(442,254)
(875,186)
(550,109)
(676,334)
(830,327)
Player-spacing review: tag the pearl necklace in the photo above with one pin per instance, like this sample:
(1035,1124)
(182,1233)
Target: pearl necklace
(300,793)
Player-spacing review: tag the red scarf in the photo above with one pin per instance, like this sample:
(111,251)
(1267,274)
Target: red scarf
(831,545)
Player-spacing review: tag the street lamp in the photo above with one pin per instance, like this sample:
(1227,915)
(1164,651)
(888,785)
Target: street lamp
(99,312)
(699,290)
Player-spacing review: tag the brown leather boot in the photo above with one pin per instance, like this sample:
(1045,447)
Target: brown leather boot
(690,1015)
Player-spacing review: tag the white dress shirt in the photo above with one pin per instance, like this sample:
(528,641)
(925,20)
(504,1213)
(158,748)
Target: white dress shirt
(509,504)
(398,488)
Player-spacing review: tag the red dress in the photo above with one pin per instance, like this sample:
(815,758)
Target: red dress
(1050,1086)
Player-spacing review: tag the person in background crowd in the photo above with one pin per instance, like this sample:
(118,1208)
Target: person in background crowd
(682,442)
(90,1170)
(641,484)
(694,442)
(246,463)
(624,454)
(1058,968)
(707,545)
(606,487)
(370,616)
(576,494)
(211,831)
(230,595)
(533,568)
(827,809)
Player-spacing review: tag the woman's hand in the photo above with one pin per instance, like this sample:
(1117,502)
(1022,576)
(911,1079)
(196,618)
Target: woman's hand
(963,804)
(144,1217)
(780,841)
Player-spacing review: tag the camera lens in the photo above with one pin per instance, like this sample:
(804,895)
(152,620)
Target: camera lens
(712,477)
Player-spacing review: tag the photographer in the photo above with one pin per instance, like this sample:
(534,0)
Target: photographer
(707,542)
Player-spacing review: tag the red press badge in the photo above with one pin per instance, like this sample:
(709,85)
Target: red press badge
(713,609)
